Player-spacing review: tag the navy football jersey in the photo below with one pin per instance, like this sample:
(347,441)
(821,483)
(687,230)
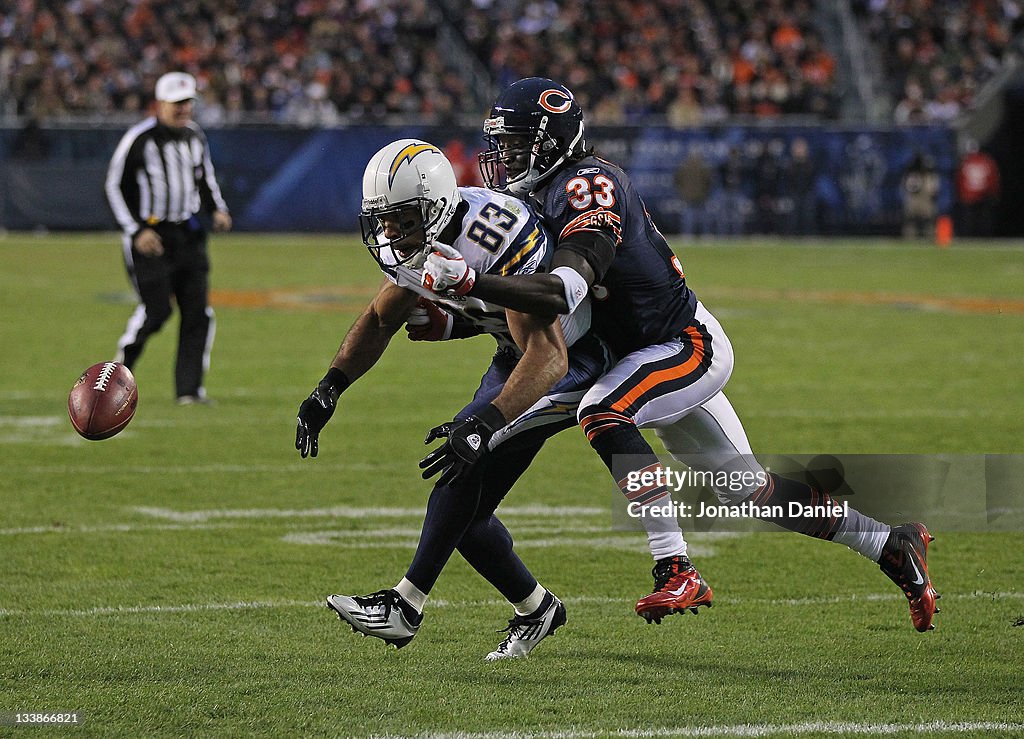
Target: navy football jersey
(642,299)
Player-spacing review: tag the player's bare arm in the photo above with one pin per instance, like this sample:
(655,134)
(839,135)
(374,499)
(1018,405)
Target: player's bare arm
(544,362)
(362,346)
(371,333)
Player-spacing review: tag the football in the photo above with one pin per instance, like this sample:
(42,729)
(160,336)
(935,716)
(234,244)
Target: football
(103,400)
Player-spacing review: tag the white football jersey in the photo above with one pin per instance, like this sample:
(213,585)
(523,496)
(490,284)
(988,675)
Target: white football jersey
(500,235)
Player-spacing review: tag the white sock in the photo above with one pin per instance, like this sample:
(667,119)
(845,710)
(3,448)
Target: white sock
(666,543)
(863,534)
(664,537)
(532,602)
(412,595)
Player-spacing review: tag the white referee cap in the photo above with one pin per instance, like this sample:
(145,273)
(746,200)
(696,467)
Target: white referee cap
(174,87)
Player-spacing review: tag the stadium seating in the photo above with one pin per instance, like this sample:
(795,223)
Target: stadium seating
(938,55)
(325,62)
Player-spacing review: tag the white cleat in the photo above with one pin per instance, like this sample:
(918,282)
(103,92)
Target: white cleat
(526,632)
(384,614)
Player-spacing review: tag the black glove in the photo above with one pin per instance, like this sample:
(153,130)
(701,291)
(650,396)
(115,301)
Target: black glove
(316,411)
(440,432)
(465,445)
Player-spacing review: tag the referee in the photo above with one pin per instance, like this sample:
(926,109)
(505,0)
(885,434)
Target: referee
(159,177)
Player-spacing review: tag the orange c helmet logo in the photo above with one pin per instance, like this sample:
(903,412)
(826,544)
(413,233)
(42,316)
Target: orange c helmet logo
(549,100)
(407,155)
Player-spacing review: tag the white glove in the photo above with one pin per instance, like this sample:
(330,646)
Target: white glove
(445,271)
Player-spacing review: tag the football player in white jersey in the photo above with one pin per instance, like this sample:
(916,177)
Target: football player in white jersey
(531,390)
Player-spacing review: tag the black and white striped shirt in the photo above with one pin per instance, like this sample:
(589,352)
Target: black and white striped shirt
(160,174)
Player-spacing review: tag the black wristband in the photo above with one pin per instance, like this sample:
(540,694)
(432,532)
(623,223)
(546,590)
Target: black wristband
(336,381)
(491,417)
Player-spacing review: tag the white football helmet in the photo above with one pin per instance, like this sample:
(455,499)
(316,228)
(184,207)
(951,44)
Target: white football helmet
(409,196)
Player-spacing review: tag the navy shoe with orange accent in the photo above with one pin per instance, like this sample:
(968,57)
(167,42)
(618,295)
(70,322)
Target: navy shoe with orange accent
(678,587)
(905,561)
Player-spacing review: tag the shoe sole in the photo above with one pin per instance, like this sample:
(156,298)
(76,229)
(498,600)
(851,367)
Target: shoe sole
(929,591)
(654,615)
(399,643)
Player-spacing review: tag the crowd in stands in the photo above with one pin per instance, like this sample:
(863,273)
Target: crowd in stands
(311,62)
(939,53)
(689,62)
(321,62)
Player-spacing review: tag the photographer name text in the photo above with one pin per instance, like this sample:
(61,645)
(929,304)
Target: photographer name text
(746,509)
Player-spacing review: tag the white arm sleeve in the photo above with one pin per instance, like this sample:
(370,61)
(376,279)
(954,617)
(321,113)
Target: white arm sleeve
(574,284)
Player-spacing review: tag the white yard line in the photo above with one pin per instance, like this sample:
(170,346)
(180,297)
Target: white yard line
(530,519)
(298,536)
(277,391)
(353,512)
(191,469)
(572,539)
(865,415)
(583,600)
(115,528)
(527,537)
(743,730)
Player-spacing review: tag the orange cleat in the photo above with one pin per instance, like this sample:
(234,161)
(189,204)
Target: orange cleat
(905,561)
(678,587)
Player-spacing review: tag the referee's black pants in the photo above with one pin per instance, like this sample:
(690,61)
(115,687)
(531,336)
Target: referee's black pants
(181,272)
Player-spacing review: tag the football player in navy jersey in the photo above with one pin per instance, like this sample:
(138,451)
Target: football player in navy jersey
(539,373)
(674,358)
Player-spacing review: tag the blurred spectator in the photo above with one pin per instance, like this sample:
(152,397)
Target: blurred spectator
(864,172)
(920,189)
(693,179)
(768,172)
(731,204)
(712,109)
(799,202)
(31,143)
(978,189)
(910,109)
(685,111)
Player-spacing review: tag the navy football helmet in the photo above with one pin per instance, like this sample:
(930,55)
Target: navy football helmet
(534,127)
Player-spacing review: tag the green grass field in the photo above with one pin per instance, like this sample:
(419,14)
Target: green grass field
(170,581)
